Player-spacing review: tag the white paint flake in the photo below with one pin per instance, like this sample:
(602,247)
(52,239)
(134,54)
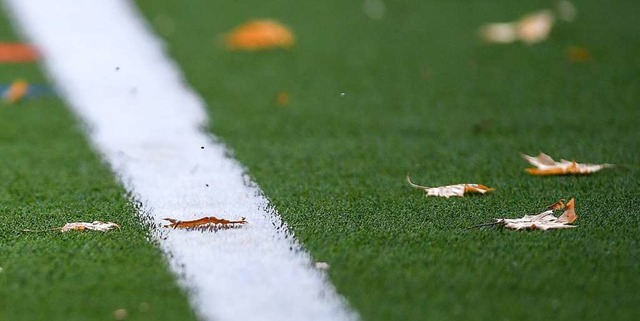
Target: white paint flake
(146,122)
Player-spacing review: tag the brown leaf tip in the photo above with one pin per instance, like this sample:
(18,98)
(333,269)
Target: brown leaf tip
(569,215)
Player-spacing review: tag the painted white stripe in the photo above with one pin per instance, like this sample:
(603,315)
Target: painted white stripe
(146,122)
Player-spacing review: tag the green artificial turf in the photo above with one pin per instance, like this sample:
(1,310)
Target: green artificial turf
(423,95)
(49,176)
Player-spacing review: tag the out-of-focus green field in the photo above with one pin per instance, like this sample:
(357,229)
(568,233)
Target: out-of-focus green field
(423,95)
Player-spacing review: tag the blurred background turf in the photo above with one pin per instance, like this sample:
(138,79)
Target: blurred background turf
(423,95)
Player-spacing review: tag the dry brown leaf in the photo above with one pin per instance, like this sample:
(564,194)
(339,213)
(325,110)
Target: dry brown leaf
(259,35)
(205,223)
(546,166)
(532,28)
(543,221)
(457,190)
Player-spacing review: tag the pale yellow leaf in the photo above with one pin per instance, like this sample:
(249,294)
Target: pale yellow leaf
(95,226)
(532,28)
(457,190)
(535,27)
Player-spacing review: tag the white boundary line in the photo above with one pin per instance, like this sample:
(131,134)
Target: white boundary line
(146,122)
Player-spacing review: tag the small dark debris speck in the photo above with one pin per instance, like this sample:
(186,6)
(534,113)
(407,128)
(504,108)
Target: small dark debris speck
(201,147)
(207,185)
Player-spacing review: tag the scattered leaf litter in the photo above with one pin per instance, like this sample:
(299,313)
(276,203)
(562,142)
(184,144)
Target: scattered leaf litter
(210,223)
(547,166)
(259,35)
(543,221)
(458,190)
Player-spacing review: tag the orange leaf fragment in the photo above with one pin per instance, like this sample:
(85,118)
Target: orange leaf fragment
(458,190)
(547,166)
(578,54)
(16,91)
(259,35)
(282,99)
(17,52)
(205,223)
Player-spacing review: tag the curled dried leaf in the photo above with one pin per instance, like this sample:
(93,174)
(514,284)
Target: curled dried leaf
(259,35)
(206,223)
(543,221)
(458,190)
(547,166)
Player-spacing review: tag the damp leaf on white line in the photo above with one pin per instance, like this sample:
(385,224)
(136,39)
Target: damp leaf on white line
(546,166)
(457,190)
(205,223)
